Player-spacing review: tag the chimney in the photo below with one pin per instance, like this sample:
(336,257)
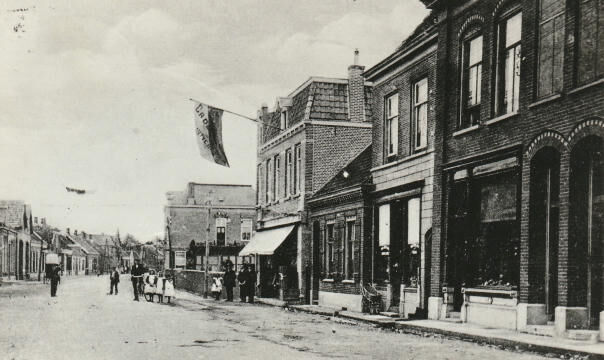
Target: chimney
(262,115)
(75,232)
(356,90)
(68,231)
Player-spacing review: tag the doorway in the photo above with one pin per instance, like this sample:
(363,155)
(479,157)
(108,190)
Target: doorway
(543,228)
(586,224)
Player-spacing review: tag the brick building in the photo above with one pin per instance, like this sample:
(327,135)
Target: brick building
(518,199)
(223,214)
(307,138)
(402,170)
(340,214)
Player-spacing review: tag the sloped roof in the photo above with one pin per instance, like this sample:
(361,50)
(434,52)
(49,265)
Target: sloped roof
(317,99)
(359,174)
(85,244)
(102,239)
(11,213)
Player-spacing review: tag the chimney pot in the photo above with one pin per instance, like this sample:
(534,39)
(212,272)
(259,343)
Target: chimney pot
(68,231)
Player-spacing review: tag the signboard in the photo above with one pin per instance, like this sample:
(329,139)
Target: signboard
(52,259)
(180,258)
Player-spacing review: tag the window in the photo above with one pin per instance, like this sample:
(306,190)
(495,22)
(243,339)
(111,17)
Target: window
(297,168)
(508,65)
(269,180)
(551,47)
(391,112)
(471,79)
(288,173)
(221,231)
(277,177)
(259,187)
(349,250)
(591,41)
(329,253)
(284,120)
(246,229)
(420,114)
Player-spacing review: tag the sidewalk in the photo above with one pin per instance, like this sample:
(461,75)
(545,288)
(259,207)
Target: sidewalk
(502,338)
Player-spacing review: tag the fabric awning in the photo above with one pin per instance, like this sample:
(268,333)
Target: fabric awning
(267,241)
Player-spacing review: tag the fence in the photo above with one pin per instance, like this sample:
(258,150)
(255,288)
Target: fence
(194,280)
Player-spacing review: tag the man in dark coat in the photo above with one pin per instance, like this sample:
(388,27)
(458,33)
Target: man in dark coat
(55,277)
(251,284)
(136,274)
(229,281)
(114,278)
(242,278)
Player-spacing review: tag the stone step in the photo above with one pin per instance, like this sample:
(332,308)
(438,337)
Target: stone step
(455,314)
(588,336)
(541,330)
(390,314)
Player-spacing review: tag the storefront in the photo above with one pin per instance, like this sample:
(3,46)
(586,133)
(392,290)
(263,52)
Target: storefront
(482,251)
(275,252)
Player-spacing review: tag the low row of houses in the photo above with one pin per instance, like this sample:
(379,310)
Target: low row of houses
(25,241)
(461,178)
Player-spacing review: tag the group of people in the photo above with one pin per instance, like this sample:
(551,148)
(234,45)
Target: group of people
(147,283)
(246,280)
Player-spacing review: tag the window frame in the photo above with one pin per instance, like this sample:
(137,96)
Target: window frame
(260,188)
(269,176)
(288,172)
(466,67)
(597,73)
(276,176)
(221,220)
(349,240)
(416,108)
(244,227)
(329,247)
(502,49)
(297,168)
(541,22)
(284,119)
(391,124)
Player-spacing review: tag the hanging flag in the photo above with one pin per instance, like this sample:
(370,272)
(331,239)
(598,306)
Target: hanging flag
(208,130)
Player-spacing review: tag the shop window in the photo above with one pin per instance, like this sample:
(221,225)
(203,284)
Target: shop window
(221,224)
(551,47)
(349,248)
(420,114)
(471,79)
(391,120)
(590,64)
(411,262)
(508,54)
(496,247)
(329,251)
(246,229)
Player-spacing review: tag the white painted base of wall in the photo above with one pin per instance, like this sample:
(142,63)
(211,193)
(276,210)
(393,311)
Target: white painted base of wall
(435,304)
(338,300)
(497,316)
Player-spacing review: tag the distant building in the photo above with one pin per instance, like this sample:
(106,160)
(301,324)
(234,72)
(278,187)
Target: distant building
(16,229)
(222,214)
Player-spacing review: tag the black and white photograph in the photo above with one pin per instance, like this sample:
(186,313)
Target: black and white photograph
(317,179)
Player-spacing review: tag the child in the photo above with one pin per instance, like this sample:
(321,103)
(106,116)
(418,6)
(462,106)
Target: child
(216,287)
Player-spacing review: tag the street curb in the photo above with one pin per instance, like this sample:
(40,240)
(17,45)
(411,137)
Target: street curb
(499,342)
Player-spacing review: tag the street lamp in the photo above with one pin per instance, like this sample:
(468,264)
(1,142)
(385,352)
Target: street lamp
(207,255)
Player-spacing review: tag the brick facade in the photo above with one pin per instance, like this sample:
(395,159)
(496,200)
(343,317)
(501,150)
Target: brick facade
(558,122)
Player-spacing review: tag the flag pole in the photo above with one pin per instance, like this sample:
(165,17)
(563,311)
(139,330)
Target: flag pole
(237,114)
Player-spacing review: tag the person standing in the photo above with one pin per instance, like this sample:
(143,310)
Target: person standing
(135,276)
(114,278)
(229,282)
(251,290)
(242,278)
(55,277)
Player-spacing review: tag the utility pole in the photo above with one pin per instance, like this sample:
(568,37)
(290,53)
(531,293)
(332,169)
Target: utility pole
(170,262)
(40,259)
(207,275)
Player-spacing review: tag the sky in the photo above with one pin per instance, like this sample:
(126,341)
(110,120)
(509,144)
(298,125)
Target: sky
(94,94)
